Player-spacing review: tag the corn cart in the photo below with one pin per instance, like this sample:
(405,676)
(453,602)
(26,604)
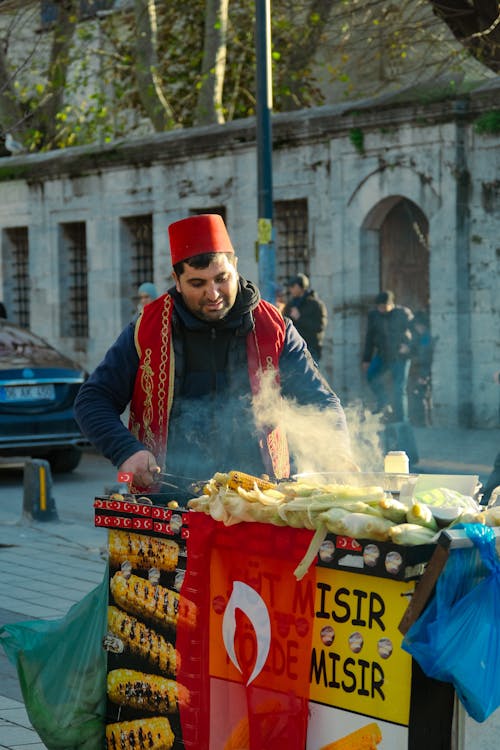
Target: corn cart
(245,624)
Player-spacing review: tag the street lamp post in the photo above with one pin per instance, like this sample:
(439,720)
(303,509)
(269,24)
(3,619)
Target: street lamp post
(265,233)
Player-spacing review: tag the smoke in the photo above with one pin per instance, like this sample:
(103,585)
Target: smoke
(315,439)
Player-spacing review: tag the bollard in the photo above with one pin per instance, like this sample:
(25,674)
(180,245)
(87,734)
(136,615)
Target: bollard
(38,502)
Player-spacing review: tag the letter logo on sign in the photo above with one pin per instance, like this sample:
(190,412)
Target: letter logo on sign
(246,599)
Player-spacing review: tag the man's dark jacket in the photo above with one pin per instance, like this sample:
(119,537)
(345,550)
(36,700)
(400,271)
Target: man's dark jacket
(212,426)
(387,332)
(312,322)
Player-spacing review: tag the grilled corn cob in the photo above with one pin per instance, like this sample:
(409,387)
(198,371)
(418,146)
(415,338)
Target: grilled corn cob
(248,481)
(141,734)
(146,692)
(366,738)
(142,598)
(142,551)
(143,641)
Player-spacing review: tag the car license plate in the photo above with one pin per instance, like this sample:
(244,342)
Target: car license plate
(13,393)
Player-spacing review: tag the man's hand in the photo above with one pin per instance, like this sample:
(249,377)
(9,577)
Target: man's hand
(294,313)
(143,466)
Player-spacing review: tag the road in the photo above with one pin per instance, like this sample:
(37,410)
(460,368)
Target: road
(73,493)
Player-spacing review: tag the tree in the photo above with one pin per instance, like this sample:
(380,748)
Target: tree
(209,108)
(476,25)
(149,84)
(154,66)
(33,113)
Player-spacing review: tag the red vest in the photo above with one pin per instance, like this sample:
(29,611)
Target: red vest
(154,383)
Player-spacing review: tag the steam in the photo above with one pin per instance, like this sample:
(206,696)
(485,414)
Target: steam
(315,439)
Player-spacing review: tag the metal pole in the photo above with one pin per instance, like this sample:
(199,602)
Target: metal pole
(265,233)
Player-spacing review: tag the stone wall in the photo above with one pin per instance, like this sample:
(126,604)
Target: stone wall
(428,154)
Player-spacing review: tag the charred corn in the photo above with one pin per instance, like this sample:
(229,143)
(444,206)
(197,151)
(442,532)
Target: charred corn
(366,738)
(146,692)
(247,481)
(142,551)
(141,734)
(140,597)
(143,641)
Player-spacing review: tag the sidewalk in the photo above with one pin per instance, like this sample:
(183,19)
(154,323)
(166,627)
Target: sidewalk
(47,567)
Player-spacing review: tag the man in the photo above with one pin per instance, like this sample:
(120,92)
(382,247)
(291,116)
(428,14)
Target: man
(387,351)
(193,365)
(308,313)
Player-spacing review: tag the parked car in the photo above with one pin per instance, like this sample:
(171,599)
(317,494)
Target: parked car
(38,386)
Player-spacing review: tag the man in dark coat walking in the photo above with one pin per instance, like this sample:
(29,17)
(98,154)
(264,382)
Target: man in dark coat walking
(388,348)
(308,313)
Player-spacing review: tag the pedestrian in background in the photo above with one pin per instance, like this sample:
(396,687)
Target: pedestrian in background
(308,313)
(387,352)
(281,298)
(419,380)
(147,293)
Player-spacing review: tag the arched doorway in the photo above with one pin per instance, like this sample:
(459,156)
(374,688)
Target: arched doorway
(395,252)
(395,255)
(404,255)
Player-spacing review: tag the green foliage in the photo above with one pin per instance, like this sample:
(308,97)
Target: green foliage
(488,123)
(357,138)
(95,91)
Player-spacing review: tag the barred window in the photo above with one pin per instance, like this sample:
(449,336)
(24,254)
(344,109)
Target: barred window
(137,254)
(16,289)
(292,249)
(74,280)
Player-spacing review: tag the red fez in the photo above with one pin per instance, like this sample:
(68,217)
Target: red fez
(204,233)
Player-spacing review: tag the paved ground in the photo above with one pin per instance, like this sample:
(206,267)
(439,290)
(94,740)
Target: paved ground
(45,567)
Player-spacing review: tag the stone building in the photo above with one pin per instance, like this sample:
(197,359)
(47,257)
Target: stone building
(382,193)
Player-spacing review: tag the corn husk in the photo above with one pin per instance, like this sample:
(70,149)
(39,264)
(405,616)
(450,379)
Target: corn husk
(411,534)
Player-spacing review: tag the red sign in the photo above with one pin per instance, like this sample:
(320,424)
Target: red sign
(244,667)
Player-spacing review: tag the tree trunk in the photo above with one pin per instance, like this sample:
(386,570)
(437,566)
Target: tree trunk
(45,119)
(11,115)
(148,80)
(209,105)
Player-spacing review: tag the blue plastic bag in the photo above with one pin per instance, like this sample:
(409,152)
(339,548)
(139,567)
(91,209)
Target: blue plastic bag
(457,637)
(61,666)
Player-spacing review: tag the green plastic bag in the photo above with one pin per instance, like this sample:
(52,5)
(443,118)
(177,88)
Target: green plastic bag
(61,666)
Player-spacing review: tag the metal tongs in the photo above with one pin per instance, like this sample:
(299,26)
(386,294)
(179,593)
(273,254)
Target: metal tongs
(186,484)
(176,481)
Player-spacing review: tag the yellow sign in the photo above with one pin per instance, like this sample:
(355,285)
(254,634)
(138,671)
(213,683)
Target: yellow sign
(264,231)
(357,663)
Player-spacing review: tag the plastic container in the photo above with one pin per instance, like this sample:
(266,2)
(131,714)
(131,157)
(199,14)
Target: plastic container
(396,462)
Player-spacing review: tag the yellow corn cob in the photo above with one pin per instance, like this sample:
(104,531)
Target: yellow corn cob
(146,692)
(143,641)
(239,739)
(142,551)
(141,734)
(140,597)
(366,738)
(247,481)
